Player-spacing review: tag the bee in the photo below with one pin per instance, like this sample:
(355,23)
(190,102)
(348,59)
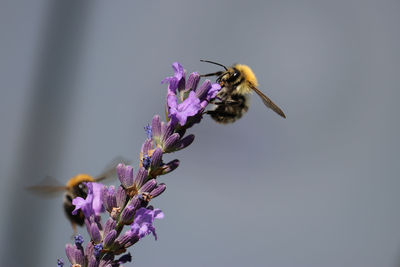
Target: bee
(75,187)
(237,82)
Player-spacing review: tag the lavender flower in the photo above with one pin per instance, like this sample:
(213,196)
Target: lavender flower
(178,80)
(128,204)
(193,101)
(143,223)
(108,197)
(125,175)
(92,205)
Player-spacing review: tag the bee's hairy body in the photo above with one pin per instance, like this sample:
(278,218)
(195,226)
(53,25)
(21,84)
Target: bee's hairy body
(228,113)
(237,82)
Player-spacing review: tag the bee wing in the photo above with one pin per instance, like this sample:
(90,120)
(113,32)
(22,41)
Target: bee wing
(268,102)
(110,170)
(49,187)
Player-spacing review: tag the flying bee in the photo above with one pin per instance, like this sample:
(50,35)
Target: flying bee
(237,82)
(74,188)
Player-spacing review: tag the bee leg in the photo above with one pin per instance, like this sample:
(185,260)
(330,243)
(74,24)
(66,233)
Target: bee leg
(218,73)
(74,228)
(223,106)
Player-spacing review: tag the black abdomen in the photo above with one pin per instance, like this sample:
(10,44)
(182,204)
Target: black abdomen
(229,109)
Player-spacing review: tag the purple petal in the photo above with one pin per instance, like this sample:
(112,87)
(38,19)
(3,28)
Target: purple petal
(70,252)
(79,204)
(147,145)
(185,142)
(109,239)
(169,129)
(147,187)
(127,215)
(79,257)
(178,69)
(95,233)
(176,81)
(140,177)
(143,222)
(93,262)
(156,126)
(212,93)
(125,174)
(170,166)
(120,197)
(171,142)
(156,158)
(158,190)
(97,203)
(192,81)
(189,107)
(109,226)
(203,90)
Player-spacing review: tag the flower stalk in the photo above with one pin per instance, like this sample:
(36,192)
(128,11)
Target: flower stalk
(130,217)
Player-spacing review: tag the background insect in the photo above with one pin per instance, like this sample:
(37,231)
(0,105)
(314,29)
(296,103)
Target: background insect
(237,82)
(74,188)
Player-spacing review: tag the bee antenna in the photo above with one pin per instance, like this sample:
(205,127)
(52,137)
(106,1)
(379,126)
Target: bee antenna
(212,62)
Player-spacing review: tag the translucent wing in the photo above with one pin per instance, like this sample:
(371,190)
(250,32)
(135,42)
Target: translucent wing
(110,170)
(49,187)
(268,102)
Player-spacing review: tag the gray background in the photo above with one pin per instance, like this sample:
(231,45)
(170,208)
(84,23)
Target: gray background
(80,80)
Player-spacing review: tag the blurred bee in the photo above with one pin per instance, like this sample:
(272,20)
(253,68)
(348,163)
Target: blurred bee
(74,188)
(237,82)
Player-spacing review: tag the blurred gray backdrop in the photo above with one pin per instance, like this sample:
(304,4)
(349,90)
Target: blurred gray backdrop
(80,79)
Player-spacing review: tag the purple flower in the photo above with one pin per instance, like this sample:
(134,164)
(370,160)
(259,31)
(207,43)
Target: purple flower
(92,205)
(109,238)
(192,81)
(94,232)
(108,198)
(143,223)
(60,263)
(125,175)
(156,127)
(193,101)
(207,92)
(75,255)
(186,102)
(178,80)
(156,158)
(180,112)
